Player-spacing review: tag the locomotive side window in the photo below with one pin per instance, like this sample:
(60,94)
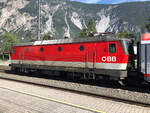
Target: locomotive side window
(112,48)
(41,49)
(59,49)
(13,51)
(27,49)
(81,48)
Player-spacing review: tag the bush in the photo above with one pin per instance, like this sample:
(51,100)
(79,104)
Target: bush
(6,57)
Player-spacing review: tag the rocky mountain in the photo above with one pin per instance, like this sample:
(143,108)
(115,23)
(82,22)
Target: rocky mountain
(64,18)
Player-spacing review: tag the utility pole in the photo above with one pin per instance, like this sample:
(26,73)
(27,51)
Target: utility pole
(39,20)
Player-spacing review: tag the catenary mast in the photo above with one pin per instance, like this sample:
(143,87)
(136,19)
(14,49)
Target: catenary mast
(39,19)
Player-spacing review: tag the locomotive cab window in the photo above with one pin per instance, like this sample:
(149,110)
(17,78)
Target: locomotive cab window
(112,48)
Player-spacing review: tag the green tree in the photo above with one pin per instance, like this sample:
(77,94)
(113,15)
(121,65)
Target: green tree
(7,40)
(47,36)
(83,33)
(125,34)
(148,25)
(90,29)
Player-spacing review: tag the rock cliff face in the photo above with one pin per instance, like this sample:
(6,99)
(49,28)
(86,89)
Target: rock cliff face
(64,18)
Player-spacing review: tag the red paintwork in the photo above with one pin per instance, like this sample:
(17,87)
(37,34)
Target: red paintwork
(145,37)
(70,52)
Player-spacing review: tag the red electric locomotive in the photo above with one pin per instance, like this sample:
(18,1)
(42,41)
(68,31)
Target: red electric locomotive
(90,57)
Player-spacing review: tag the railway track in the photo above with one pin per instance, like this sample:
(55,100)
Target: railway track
(138,95)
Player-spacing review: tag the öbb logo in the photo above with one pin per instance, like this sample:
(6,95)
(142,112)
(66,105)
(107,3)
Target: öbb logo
(109,59)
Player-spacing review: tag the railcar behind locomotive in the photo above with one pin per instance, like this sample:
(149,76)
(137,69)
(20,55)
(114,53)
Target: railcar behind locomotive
(90,57)
(144,56)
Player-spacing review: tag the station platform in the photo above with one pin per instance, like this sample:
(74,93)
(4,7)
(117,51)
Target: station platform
(16,97)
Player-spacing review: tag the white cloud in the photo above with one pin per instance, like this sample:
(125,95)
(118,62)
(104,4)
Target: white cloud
(108,1)
(121,1)
(92,1)
(88,1)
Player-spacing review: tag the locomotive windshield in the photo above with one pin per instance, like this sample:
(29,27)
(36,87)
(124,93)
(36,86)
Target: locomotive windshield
(130,45)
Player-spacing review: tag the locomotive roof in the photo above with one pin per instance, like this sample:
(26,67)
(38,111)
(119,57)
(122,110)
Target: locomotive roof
(145,39)
(71,40)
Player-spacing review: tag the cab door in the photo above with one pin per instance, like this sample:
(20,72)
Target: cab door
(100,54)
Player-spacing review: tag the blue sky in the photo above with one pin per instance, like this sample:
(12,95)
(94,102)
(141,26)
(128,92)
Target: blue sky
(106,1)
